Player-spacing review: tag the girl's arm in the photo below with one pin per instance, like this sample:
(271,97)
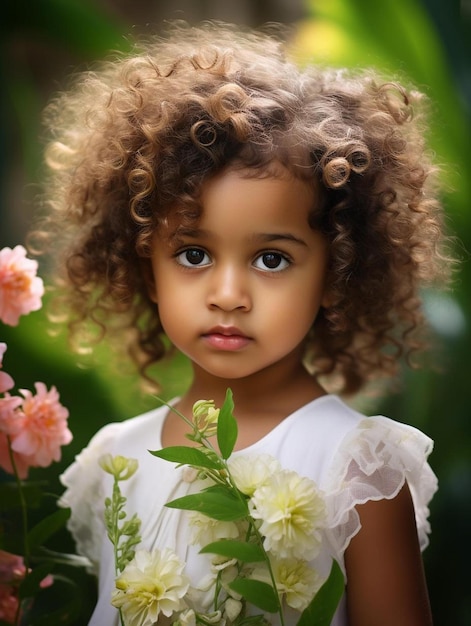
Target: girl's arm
(386,582)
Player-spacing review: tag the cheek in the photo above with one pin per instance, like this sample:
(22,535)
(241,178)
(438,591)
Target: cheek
(174,308)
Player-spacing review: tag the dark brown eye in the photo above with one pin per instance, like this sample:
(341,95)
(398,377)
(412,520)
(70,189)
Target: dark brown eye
(193,257)
(271,261)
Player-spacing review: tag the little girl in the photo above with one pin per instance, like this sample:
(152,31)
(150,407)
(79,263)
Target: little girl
(275,225)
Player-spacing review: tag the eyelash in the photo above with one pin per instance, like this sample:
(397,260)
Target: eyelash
(182,259)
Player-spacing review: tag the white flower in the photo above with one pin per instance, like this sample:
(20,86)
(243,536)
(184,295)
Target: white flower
(204,529)
(295,581)
(214,618)
(201,597)
(292,513)
(150,584)
(250,472)
(187,618)
(232,609)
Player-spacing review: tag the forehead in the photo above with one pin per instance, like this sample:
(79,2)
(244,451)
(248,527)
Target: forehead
(249,196)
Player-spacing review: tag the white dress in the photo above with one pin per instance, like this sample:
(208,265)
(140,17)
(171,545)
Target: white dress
(352,458)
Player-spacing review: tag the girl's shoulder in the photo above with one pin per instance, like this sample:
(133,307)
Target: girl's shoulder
(372,460)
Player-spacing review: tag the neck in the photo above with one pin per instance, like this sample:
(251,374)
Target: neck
(271,392)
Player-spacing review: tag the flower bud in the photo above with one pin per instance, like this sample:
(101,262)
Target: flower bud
(118,466)
(205,417)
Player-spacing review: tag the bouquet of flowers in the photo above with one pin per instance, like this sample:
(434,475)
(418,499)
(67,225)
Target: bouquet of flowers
(260,523)
(33,427)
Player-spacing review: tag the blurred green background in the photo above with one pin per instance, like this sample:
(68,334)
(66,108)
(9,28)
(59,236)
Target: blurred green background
(423,41)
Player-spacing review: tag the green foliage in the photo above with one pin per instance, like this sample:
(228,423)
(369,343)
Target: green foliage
(258,593)
(122,532)
(231,549)
(227,427)
(322,607)
(215,502)
(47,527)
(183,455)
(17,538)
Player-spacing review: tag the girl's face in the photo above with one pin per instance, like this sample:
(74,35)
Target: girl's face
(238,292)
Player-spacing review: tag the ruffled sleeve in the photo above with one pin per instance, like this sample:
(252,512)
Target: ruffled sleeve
(85,495)
(373,462)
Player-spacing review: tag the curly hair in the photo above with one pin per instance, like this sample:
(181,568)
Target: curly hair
(141,134)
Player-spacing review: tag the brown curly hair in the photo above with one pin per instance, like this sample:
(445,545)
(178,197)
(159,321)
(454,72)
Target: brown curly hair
(140,135)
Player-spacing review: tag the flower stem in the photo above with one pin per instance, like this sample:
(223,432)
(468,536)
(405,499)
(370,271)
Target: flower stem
(24,522)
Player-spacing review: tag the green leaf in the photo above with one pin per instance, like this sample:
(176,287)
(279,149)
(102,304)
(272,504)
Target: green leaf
(47,527)
(227,427)
(257,593)
(186,455)
(216,503)
(66,598)
(242,551)
(322,607)
(31,584)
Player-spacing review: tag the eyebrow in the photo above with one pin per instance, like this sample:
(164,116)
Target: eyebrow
(269,237)
(195,233)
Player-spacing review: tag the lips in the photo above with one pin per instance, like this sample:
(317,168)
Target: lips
(227,338)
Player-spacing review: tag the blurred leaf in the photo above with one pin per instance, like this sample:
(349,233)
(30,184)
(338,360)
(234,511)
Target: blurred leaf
(47,527)
(67,599)
(79,25)
(32,583)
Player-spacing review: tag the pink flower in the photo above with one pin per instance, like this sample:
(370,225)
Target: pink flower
(12,572)
(21,462)
(8,603)
(9,424)
(6,381)
(42,427)
(9,416)
(20,289)
(12,568)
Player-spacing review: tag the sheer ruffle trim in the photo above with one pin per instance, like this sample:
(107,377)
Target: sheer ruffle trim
(85,496)
(373,463)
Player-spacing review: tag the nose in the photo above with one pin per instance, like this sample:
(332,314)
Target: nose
(229,289)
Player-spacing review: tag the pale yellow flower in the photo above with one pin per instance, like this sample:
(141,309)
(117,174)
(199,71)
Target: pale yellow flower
(292,513)
(296,582)
(204,529)
(150,584)
(251,472)
(121,467)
